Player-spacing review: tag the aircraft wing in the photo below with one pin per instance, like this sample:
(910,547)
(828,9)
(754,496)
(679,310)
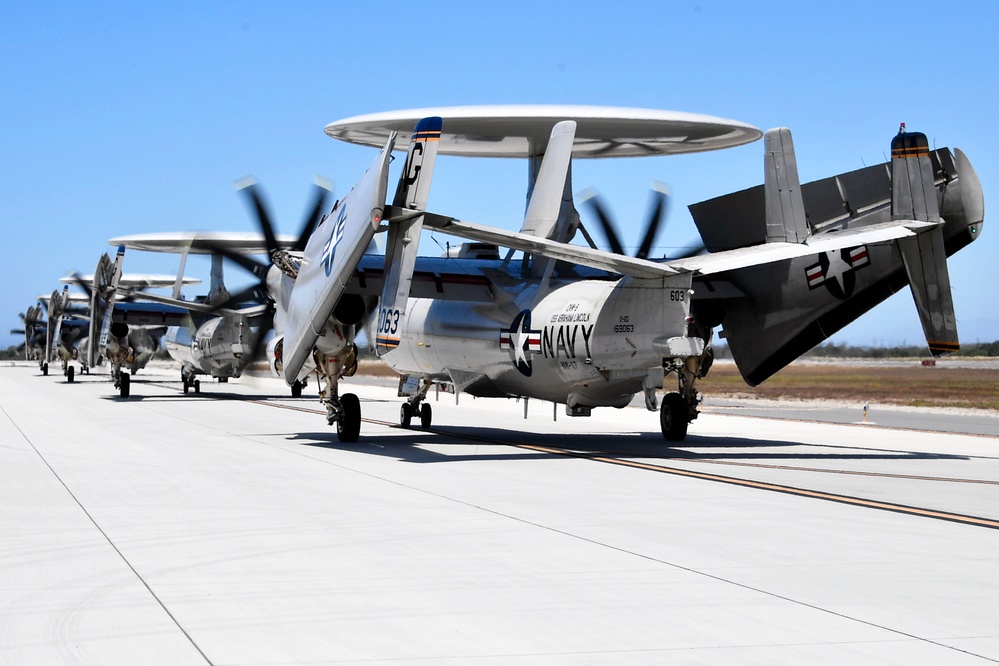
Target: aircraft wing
(576,254)
(201,242)
(191,306)
(707,264)
(331,256)
(149,280)
(765,253)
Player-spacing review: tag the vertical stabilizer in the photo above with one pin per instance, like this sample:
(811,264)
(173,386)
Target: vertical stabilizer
(913,192)
(546,197)
(785,210)
(914,197)
(404,236)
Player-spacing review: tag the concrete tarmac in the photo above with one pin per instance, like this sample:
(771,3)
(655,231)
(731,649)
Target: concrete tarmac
(232,527)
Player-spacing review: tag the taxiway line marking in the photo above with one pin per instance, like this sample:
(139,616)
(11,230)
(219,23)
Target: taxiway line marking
(705,476)
(790,490)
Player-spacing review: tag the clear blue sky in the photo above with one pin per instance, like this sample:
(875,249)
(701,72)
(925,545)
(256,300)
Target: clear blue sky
(120,118)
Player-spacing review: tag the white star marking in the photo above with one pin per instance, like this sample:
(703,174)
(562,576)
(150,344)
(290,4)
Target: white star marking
(518,339)
(837,268)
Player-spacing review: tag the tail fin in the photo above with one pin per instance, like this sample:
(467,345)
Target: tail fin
(785,209)
(914,197)
(547,193)
(786,308)
(404,235)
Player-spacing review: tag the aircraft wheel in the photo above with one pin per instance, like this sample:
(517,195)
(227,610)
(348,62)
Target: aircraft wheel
(673,417)
(45,369)
(197,386)
(70,374)
(223,380)
(348,428)
(124,388)
(406,415)
(296,389)
(426,415)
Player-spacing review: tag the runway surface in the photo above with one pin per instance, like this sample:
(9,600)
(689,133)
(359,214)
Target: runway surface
(233,528)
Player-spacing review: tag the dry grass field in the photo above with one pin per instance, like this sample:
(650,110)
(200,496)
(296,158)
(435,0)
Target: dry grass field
(910,384)
(913,385)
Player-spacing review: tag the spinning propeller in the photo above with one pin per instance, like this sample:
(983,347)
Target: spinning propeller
(655,219)
(277,255)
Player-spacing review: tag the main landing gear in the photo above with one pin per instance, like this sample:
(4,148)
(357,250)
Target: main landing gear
(190,381)
(416,407)
(680,408)
(343,410)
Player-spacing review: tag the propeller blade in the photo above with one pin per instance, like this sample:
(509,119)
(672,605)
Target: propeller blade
(605,223)
(82,284)
(251,293)
(265,325)
(660,202)
(691,251)
(312,220)
(263,219)
(258,268)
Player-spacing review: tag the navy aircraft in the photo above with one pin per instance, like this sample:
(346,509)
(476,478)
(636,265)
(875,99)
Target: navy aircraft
(224,332)
(786,266)
(34,330)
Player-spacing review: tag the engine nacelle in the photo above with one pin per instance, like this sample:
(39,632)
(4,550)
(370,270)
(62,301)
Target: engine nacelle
(275,355)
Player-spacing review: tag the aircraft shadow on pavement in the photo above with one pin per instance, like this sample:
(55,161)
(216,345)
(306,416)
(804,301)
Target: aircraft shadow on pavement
(406,446)
(192,396)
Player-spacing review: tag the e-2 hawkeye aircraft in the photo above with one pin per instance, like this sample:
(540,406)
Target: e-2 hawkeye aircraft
(222,335)
(122,330)
(788,266)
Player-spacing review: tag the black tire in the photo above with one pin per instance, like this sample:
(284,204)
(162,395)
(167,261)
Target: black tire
(124,387)
(406,415)
(70,374)
(674,416)
(296,389)
(45,369)
(348,428)
(426,416)
(223,380)
(197,386)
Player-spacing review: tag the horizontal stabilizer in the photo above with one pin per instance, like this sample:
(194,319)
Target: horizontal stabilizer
(785,209)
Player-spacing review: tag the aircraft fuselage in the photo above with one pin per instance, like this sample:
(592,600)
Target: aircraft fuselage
(587,343)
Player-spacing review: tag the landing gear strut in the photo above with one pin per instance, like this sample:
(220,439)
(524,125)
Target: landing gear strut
(416,406)
(190,380)
(680,408)
(343,410)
